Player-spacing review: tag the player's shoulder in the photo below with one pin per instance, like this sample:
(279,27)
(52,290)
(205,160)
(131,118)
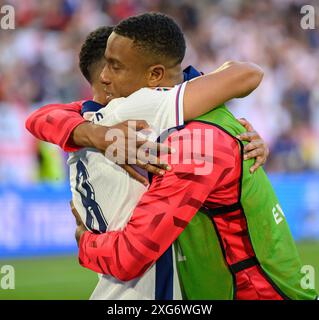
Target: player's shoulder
(155,91)
(141,97)
(111,106)
(141,94)
(138,95)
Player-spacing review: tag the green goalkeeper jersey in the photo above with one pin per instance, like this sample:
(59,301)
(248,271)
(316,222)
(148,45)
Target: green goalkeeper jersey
(204,256)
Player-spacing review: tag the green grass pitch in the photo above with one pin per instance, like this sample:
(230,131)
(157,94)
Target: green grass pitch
(63,278)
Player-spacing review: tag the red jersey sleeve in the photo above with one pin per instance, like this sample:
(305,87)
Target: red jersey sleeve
(160,216)
(55,122)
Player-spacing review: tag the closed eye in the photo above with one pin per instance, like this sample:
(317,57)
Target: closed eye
(113,64)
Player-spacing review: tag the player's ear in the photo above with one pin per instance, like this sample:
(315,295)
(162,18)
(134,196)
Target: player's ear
(155,75)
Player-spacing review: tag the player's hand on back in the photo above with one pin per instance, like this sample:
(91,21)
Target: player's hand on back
(256,148)
(120,143)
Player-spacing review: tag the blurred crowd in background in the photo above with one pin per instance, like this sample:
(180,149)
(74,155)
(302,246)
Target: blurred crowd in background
(39,65)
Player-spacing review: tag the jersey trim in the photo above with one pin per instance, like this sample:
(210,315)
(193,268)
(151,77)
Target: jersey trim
(91,106)
(164,283)
(180,104)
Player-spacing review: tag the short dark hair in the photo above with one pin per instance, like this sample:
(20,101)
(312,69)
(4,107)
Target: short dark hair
(156,33)
(92,50)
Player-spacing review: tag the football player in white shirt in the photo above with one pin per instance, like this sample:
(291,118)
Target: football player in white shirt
(103,193)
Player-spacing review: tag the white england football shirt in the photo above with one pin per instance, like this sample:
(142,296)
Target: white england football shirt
(105,195)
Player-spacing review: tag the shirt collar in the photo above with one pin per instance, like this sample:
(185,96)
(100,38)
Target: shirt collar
(91,106)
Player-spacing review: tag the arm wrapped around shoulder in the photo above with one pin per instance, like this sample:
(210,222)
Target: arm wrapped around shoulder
(231,80)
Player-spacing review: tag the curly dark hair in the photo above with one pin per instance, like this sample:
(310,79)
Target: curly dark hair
(155,33)
(92,50)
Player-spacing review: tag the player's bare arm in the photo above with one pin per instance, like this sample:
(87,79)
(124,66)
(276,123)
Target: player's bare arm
(231,80)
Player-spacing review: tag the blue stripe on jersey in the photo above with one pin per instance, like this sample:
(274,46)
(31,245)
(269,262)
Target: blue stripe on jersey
(88,198)
(164,288)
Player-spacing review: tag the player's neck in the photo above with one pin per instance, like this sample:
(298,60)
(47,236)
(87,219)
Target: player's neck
(173,76)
